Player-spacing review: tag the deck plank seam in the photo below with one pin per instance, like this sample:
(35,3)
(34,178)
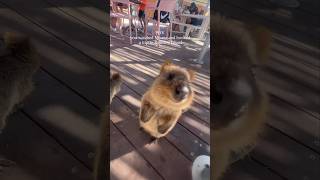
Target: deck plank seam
(55,139)
(135,148)
(268,19)
(53,34)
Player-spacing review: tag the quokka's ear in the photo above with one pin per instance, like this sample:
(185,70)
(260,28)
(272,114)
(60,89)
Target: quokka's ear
(192,74)
(165,65)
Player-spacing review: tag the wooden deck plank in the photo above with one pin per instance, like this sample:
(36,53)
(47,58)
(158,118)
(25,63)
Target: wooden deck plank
(59,111)
(37,155)
(295,123)
(247,169)
(310,6)
(88,13)
(282,154)
(64,62)
(292,160)
(298,20)
(299,52)
(306,6)
(162,155)
(280,84)
(55,21)
(125,161)
(98,4)
(245,15)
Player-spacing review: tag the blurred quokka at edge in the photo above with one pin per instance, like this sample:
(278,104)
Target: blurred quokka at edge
(166,99)
(18,63)
(100,166)
(239,103)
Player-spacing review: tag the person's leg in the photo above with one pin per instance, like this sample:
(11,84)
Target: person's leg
(140,15)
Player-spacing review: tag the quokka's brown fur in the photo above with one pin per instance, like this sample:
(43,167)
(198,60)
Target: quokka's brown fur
(160,110)
(240,105)
(18,63)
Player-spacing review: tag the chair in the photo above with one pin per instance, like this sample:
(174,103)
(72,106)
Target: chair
(123,15)
(204,25)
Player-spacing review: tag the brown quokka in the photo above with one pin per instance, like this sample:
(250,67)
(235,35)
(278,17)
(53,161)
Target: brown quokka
(169,95)
(18,63)
(100,166)
(239,103)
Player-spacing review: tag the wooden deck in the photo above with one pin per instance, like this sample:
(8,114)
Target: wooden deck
(54,134)
(290,146)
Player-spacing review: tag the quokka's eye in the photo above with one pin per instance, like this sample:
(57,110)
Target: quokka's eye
(170,76)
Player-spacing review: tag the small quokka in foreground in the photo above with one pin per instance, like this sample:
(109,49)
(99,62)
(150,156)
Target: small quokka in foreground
(100,166)
(239,103)
(18,63)
(169,95)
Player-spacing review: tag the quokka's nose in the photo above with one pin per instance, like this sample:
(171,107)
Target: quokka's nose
(182,91)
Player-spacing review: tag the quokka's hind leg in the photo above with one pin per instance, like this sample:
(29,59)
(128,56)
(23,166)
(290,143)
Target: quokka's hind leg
(146,112)
(166,123)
